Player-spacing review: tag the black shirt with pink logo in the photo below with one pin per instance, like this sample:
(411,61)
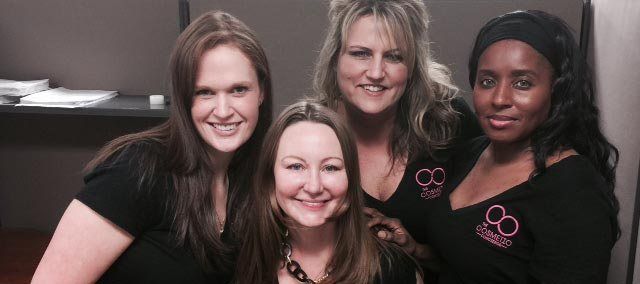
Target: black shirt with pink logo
(423,180)
(554,228)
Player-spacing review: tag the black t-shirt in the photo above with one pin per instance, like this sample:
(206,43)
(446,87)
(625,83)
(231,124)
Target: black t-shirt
(555,228)
(146,212)
(423,179)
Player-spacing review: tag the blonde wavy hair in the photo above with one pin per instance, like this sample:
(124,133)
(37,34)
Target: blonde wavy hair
(425,120)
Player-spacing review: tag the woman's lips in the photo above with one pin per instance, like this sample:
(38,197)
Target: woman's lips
(313,204)
(500,121)
(225,129)
(373,89)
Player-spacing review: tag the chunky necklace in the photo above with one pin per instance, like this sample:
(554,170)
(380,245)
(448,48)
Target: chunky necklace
(293,267)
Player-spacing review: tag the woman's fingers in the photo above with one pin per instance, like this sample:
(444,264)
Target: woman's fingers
(390,229)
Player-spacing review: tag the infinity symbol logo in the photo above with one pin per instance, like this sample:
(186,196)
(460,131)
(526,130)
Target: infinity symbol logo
(502,218)
(435,176)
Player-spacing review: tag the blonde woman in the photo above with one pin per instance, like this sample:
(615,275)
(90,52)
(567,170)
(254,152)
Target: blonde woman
(377,71)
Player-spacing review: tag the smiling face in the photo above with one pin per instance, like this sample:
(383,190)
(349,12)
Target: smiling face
(512,92)
(225,106)
(371,74)
(310,177)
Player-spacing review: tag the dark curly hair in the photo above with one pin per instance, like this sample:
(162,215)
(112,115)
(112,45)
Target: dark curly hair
(573,121)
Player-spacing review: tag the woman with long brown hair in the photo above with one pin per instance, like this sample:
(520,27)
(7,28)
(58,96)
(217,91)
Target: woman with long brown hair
(307,223)
(158,206)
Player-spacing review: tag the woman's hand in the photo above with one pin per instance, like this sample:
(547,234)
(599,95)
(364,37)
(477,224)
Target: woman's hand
(391,230)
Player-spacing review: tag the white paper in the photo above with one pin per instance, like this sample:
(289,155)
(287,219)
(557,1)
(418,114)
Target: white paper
(61,97)
(22,88)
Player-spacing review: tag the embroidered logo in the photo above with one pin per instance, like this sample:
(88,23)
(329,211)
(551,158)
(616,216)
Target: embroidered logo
(430,181)
(497,220)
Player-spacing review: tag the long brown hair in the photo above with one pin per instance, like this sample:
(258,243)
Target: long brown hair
(182,153)
(425,120)
(356,257)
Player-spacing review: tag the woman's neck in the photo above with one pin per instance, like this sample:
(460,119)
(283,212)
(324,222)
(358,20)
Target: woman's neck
(313,246)
(220,162)
(509,153)
(220,184)
(371,131)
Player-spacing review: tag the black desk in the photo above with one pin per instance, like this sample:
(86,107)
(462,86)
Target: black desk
(135,106)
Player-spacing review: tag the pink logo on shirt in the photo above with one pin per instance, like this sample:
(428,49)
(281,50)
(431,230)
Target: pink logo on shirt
(430,181)
(497,219)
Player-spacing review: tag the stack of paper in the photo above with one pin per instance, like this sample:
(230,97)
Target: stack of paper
(61,97)
(11,91)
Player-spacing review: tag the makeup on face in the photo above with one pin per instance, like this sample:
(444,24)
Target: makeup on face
(227,98)
(512,92)
(310,177)
(372,74)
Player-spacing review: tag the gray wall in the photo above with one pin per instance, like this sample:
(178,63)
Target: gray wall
(616,58)
(79,44)
(125,45)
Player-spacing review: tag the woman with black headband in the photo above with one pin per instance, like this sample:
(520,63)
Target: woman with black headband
(532,201)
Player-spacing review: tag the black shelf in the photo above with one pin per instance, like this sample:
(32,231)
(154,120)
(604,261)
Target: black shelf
(132,106)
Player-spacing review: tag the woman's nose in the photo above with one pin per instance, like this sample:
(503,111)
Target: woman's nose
(375,70)
(222,109)
(313,184)
(502,96)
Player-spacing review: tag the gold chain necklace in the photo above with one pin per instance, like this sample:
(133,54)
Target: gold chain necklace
(220,223)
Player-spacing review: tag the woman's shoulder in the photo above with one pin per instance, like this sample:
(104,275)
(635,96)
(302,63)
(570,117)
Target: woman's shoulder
(573,171)
(570,199)
(131,154)
(142,149)
(125,191)
(137,165)
(570,181)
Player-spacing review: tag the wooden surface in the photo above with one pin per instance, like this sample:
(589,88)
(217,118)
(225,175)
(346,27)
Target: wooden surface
(20,252)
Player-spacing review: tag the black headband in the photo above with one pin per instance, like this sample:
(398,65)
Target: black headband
(520,25)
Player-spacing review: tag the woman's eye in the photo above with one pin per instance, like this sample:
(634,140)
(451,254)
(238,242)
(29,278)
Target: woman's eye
(295,167)
(523,84)
(203,92)
(331,168)
(359,53)
(487,83)
(394,57)
(240,90)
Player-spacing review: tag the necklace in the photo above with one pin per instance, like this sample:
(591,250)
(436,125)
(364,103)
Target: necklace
(220,223)
(293,267)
